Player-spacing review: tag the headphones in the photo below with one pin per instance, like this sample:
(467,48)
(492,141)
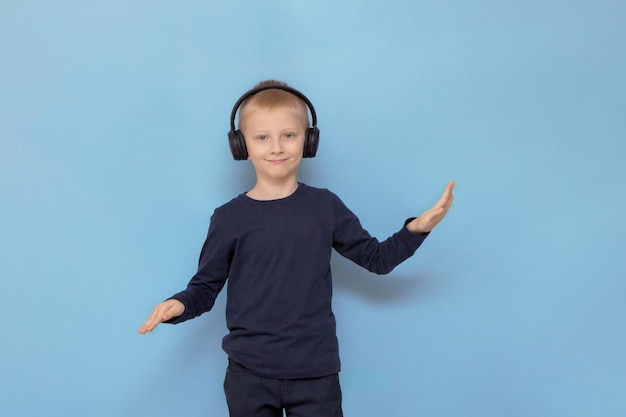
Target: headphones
(236,139)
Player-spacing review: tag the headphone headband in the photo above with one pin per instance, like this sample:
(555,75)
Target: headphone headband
(272,87)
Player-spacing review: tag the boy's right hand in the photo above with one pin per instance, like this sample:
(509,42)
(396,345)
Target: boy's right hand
(164,311)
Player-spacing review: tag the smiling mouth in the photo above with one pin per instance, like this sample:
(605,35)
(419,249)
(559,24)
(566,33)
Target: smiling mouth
(276,161)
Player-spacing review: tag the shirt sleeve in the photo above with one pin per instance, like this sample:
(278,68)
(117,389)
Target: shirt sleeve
(213,267)
(352,241)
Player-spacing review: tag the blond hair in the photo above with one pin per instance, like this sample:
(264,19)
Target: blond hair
(272,99)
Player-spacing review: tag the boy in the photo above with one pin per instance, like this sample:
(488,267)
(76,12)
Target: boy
(274,245)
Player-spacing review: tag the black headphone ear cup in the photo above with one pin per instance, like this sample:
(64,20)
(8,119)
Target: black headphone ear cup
(237,145)
(311,142)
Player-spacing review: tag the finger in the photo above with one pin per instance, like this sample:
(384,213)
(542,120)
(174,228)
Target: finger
(449,203)
(446,196)
(148,326)
(436,214)
(153,320)
(444,203)
(449,188)
(144,329)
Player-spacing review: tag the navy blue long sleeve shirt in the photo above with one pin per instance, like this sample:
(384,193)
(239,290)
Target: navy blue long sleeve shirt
(276,257)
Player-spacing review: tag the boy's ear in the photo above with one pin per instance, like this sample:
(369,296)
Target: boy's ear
(237,145)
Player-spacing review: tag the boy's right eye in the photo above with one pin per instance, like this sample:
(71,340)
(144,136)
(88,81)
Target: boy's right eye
(262,137)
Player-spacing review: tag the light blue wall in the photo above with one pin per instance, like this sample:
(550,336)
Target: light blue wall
(113,154)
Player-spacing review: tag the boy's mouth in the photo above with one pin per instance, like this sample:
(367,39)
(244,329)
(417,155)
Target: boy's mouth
(276,161)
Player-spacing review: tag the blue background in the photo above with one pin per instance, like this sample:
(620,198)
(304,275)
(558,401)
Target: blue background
(113,155)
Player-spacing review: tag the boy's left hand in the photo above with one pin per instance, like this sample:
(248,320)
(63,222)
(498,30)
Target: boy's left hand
(431,217)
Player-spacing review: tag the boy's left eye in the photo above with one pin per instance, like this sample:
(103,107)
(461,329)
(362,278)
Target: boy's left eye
(288,135)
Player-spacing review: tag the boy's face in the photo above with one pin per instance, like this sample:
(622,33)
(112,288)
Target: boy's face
(275,141)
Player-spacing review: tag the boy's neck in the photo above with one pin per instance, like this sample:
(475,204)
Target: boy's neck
(272,191)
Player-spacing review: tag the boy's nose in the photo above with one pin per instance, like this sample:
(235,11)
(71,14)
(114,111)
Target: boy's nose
(277,146)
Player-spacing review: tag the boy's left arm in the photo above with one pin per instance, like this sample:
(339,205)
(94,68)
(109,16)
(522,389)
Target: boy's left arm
(431,217)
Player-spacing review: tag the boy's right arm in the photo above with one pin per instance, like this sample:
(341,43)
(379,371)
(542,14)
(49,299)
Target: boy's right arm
(164,311)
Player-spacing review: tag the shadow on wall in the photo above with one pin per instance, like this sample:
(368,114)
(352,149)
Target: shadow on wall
(396,287)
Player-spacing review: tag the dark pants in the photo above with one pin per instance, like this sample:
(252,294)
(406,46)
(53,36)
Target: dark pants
(250,395)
